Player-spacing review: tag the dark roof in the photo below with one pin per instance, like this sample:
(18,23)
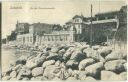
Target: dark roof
(107,13)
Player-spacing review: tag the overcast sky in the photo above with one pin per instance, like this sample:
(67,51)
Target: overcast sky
(52,12)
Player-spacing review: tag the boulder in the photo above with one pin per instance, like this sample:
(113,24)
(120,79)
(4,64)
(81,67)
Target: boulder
(70,71)
(79,74)
(61,52)
(13,74)
(94,69)
(96,47)
(115,65)
(89,78)
(84,63)
(90,53)
(110,76)
(123,75)
(7,71)
(32,63)
(115,56)
(57,63)
(105,51)
(47,63)
(39,78)
(68,53)
(52,56)
(25,79)
(13,79)
(23,58)
(72,64)
(24,72)
(50,71)
(6,78)
(54,49)
(37,71)
(17,67)
(64,74)
(77,56)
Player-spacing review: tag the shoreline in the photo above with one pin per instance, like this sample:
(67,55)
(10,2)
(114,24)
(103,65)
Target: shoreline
(65,62)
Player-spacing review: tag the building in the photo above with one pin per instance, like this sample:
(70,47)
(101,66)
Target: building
(22,28)
(100,22)
(77,29)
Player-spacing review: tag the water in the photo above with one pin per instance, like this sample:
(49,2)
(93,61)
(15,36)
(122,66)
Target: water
(10,55)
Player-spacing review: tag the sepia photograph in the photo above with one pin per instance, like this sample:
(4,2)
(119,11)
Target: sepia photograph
(64,40)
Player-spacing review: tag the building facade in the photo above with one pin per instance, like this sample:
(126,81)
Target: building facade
(104,26)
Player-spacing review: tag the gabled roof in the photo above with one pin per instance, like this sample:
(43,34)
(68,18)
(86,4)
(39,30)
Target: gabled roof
(78,16)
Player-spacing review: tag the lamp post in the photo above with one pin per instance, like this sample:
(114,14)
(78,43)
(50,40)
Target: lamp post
(91,29)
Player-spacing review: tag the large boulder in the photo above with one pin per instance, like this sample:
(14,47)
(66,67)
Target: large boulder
(50,71)
(84,63)
(47,63)
(37,71)
(115,56)
(70,71)
(17,67)
(52,56)
(22,60)
(89,78)
(96,47)
(13,79)
(77,56)
(115,65)
(90,53)
(57,63)
(110,76)
(94,69)
(7,72)
(25,79)
(13,74)
(105,51)
(24,72)
(61,52)
(6,78)
(123,75)
(55,49)
(79,74)
(63,74)
(32,63)
(68,53)
(71,78)
(72,64)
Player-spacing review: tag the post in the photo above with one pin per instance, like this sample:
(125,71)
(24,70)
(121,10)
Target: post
(91,29)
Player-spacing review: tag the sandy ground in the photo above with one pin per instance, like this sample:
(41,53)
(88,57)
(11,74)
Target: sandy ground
(7,57)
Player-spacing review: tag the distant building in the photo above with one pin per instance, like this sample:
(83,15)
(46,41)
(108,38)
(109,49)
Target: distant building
(22,28)
(77,29)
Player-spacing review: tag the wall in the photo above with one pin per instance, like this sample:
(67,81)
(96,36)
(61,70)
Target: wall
(25,39)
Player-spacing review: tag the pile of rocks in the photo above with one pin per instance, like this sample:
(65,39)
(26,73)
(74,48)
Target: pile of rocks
(70,63)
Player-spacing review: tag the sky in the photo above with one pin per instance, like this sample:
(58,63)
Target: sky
(51,12)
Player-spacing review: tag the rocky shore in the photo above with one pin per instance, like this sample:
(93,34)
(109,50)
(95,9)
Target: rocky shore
(70,62)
